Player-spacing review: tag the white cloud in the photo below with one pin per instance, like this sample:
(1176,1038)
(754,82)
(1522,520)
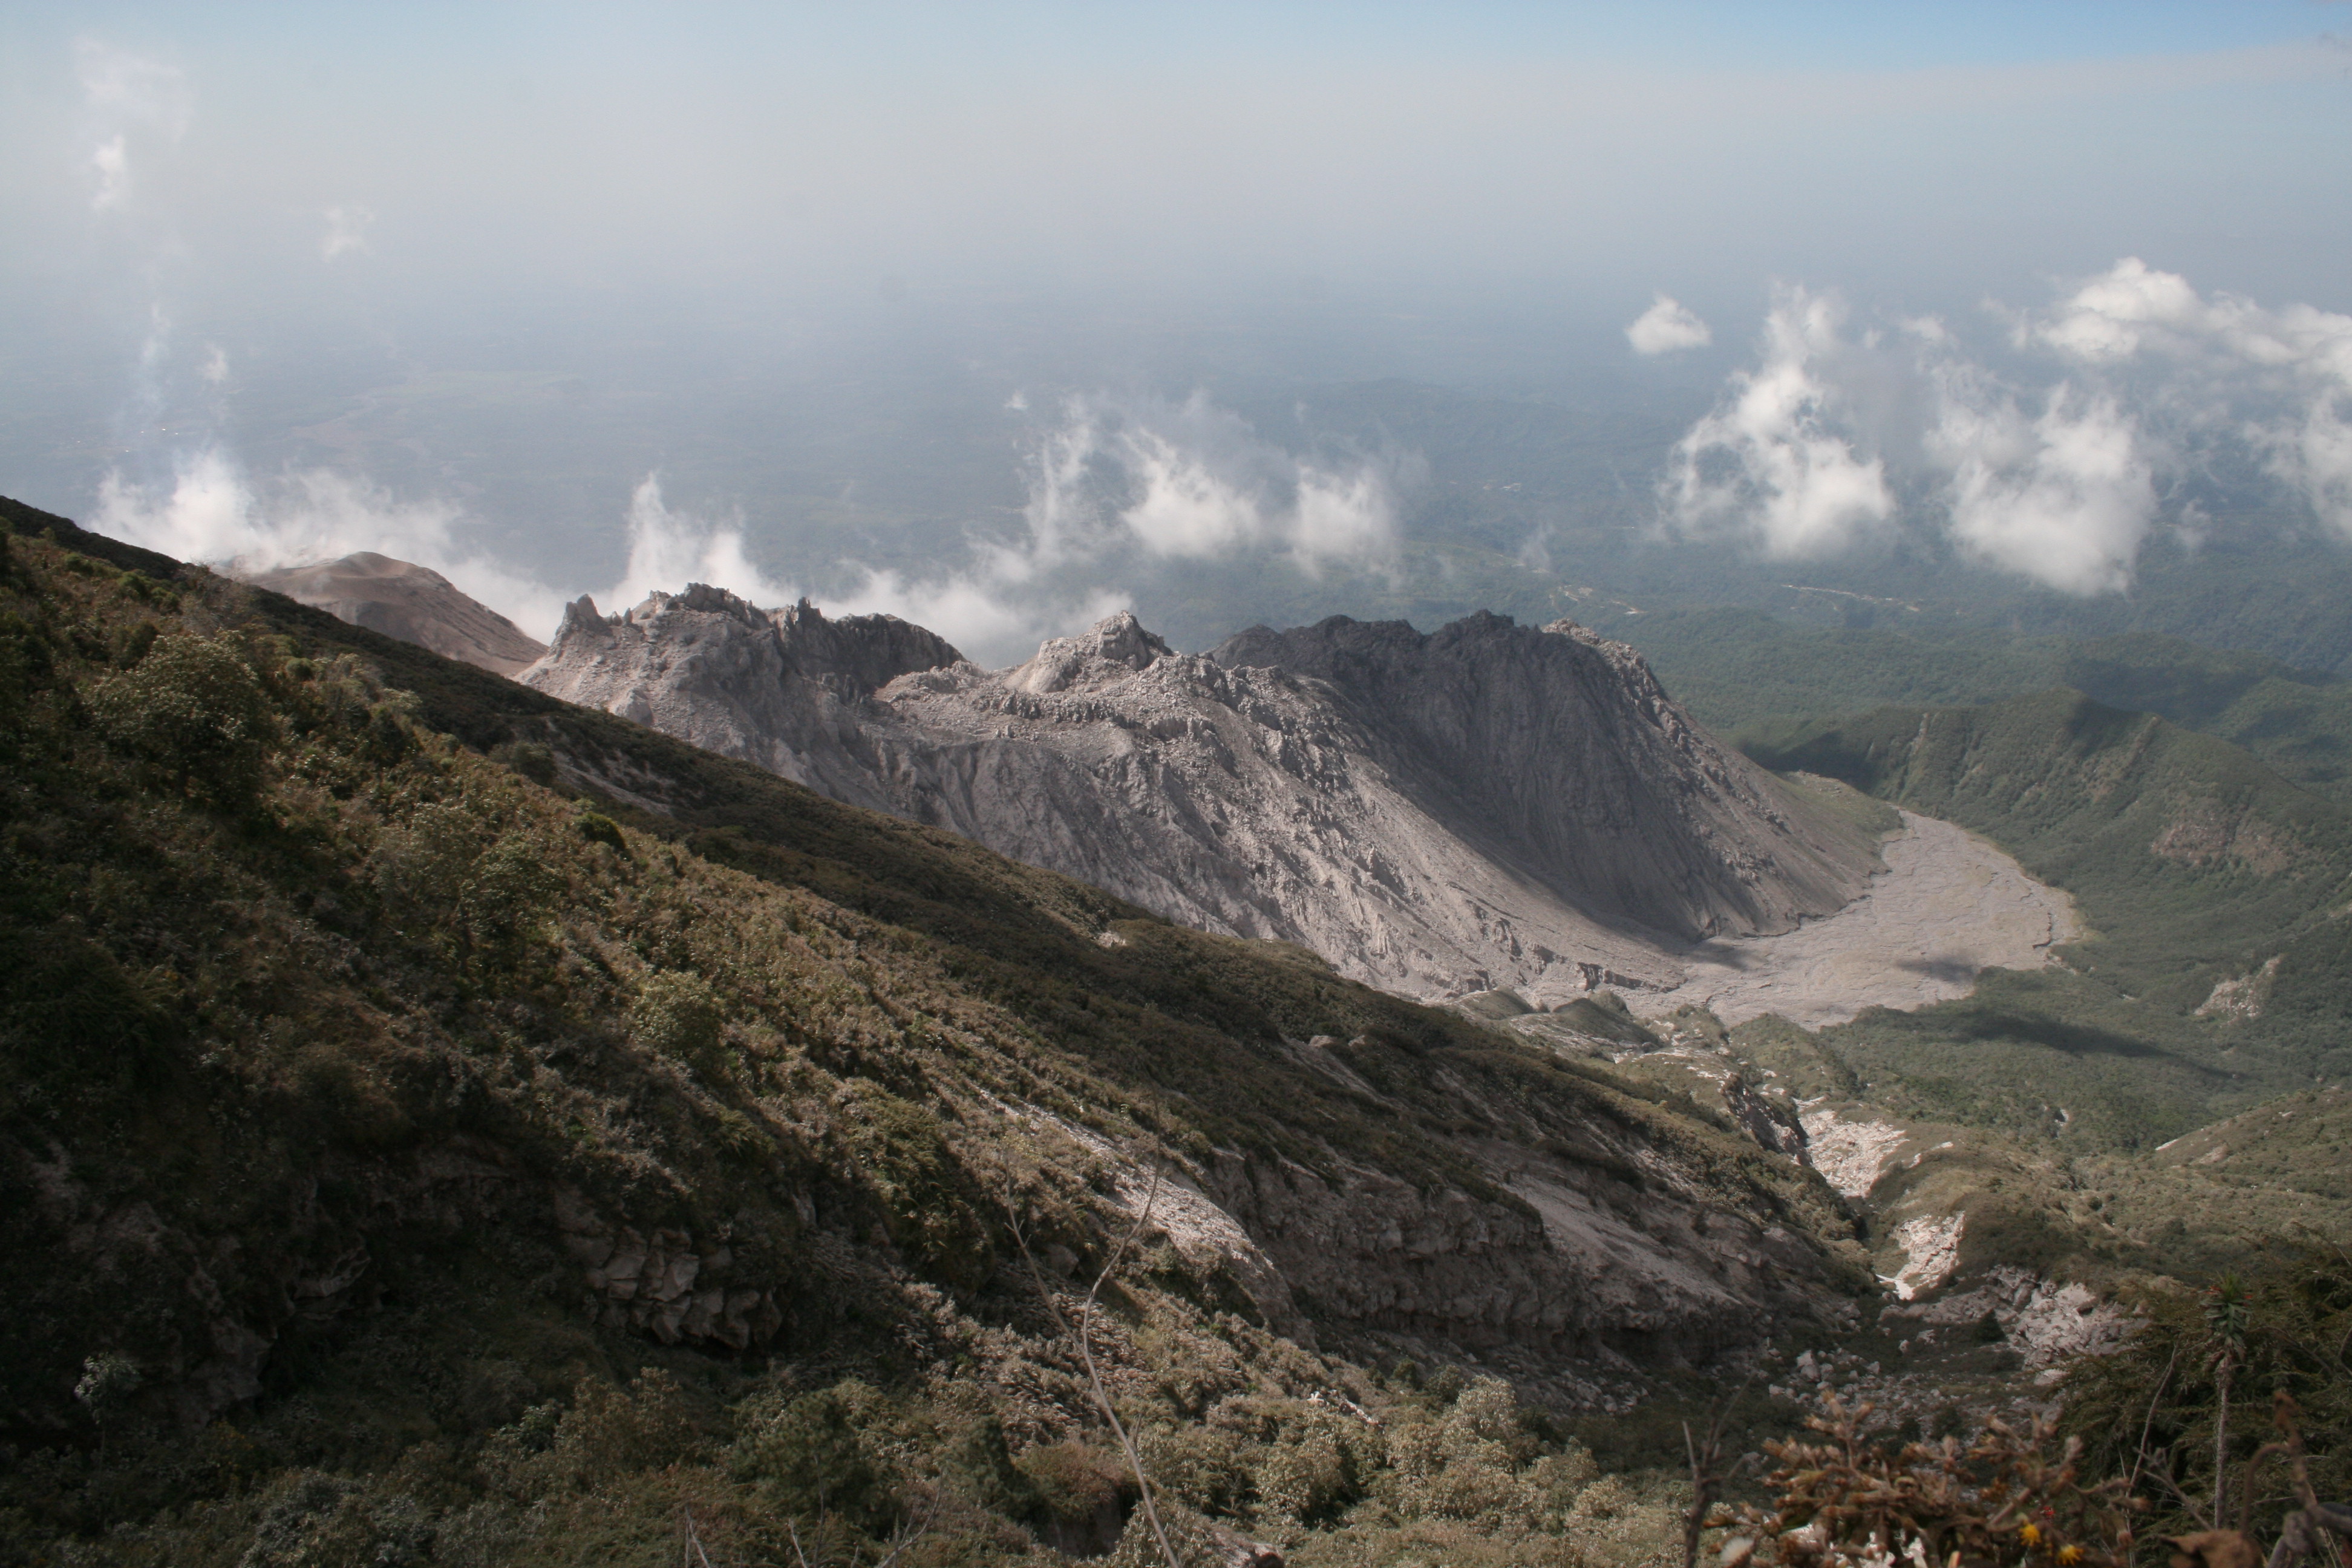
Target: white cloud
(1667,327)
(347,228)
(2065,499)
(1776,460)
(1808,453)
(2279,377)
(1343,517)
(668,549)
(1118,484)
(215,370)
(111,161)
(2316,458)
(1114,486)
(978,612)
(1194,481)
(211,512)
(1186,508)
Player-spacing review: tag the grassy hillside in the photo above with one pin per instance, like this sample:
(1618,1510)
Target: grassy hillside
(409,1152)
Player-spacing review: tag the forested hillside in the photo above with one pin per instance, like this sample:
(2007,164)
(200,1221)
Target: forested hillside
(1735,669)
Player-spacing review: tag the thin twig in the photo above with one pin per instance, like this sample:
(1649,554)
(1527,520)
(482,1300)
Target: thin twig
(1082,1333)
(2188,1505)
(2139,1455)
(1705,1475)
(910,1534)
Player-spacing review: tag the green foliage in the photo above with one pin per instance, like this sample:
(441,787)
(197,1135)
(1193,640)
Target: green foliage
(2014,1499)
(194,709)
(108,1381)
(611,1431)
(2191,863)
(1740,668)
(535,763)
(598,828)
(812,1459)
(929,1204)
(2150,1405)
(423,865)
(678,1014)
(508,893)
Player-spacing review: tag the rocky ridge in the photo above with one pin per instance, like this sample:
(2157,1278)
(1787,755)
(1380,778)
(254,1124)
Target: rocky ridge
(1487,805)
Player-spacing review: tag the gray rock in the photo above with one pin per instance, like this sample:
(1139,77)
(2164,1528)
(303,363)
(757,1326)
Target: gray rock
(409,601)
(1488,807)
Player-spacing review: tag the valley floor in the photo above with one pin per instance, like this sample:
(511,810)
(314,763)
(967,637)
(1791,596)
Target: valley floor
(1947,905)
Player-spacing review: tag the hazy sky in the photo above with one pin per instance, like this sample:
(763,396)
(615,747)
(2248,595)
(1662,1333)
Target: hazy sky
(1944,150)
(1543,176)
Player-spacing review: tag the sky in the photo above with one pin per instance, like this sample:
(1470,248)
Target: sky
(1872,246)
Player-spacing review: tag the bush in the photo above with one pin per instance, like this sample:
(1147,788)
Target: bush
(678,1015)
(2010,1500)
(530,759)
(193,709)
(813,1461)
(425,862)
(506,898)
(610,1431)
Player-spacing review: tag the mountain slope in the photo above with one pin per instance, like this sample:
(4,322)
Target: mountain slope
(408,602)
(1491,806)
(360,1083)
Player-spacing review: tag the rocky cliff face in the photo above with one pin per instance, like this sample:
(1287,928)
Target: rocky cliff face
(408,602)
(1488,806)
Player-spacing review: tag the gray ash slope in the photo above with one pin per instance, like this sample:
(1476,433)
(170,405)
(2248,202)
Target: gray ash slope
(1488,804)
(412,603)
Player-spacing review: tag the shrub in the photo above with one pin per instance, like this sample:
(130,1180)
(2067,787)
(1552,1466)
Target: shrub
(193,709)
(2005,1499)
(611,1431)
(506,898)
(528,758)
(678,1015)
(812,1459)
(425,862)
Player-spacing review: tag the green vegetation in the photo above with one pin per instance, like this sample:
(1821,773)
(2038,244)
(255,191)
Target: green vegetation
(2239,1346)
(1738,669)
(2195,867)
(409,1159)
(380,1043)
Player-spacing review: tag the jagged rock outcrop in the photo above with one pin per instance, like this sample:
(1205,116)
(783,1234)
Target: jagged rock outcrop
(412,603)
(1487,806)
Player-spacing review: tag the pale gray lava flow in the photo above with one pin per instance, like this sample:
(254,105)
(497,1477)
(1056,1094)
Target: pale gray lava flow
(1487,805)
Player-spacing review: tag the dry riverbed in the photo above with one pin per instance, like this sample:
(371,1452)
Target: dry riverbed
(1947,905)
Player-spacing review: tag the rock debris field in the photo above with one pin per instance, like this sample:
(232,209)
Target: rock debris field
(1947,905)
